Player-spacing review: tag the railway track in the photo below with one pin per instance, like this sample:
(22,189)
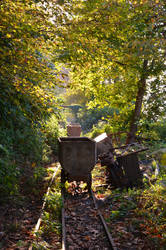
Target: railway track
(83,226)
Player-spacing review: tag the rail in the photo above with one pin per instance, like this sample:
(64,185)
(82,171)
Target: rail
(44,204)
(90,201)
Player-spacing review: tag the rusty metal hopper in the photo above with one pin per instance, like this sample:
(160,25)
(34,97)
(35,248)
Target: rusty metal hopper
(77,156)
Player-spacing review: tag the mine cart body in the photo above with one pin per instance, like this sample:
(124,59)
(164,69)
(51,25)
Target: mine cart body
(77,156)
(130,165)
(121,160)
(74,130)
(103,144)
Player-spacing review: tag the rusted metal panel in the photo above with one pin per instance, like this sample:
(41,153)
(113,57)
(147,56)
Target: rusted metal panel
(114,173)
(77,156)
(130,165)
(104,143)
(74,129)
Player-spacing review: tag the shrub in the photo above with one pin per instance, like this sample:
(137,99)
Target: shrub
(52,131)
(88,118)
(96,130)
(22,149)
(9,174)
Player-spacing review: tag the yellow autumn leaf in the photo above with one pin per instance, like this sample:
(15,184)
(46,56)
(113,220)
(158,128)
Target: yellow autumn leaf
(163,160)
(50,110)
(33,164)
(8,36)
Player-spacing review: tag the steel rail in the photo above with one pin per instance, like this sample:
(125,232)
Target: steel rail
(64,244)
(44,204)
(109,237)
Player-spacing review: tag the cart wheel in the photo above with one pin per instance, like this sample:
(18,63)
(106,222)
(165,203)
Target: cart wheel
(89,183)
(63,178)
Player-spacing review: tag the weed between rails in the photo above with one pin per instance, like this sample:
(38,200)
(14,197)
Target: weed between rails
(141,212)
(49,234)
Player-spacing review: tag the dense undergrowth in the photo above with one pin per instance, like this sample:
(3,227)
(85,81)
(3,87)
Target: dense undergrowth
(24,150)
(28,97)
(136,217)
(142,210)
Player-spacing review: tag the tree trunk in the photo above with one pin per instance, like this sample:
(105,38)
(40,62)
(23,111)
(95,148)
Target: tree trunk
(138,104)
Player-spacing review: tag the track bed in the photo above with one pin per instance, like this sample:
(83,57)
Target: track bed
(83,226)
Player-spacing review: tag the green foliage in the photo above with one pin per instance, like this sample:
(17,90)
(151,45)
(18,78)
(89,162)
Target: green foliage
(108,126)
(9,174)
(21,148)
(96,130)
(28,78)
(25,76)
(155,130)
(153,136)
(52,132)
(51,218)
(152,203)
(54,203)
(50,225)
(154,107)
(8,169)
(160,129)
(124,202)
(89,118)
(38,174)
(52,215)
(144,209)
(108,45)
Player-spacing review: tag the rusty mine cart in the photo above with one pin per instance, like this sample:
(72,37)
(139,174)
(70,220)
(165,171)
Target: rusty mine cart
(77,156)
(122,164)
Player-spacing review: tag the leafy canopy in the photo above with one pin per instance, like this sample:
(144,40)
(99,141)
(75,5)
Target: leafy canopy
(106,44)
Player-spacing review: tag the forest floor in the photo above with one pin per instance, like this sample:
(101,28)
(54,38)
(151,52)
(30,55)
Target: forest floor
(135,217)
(17,220)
